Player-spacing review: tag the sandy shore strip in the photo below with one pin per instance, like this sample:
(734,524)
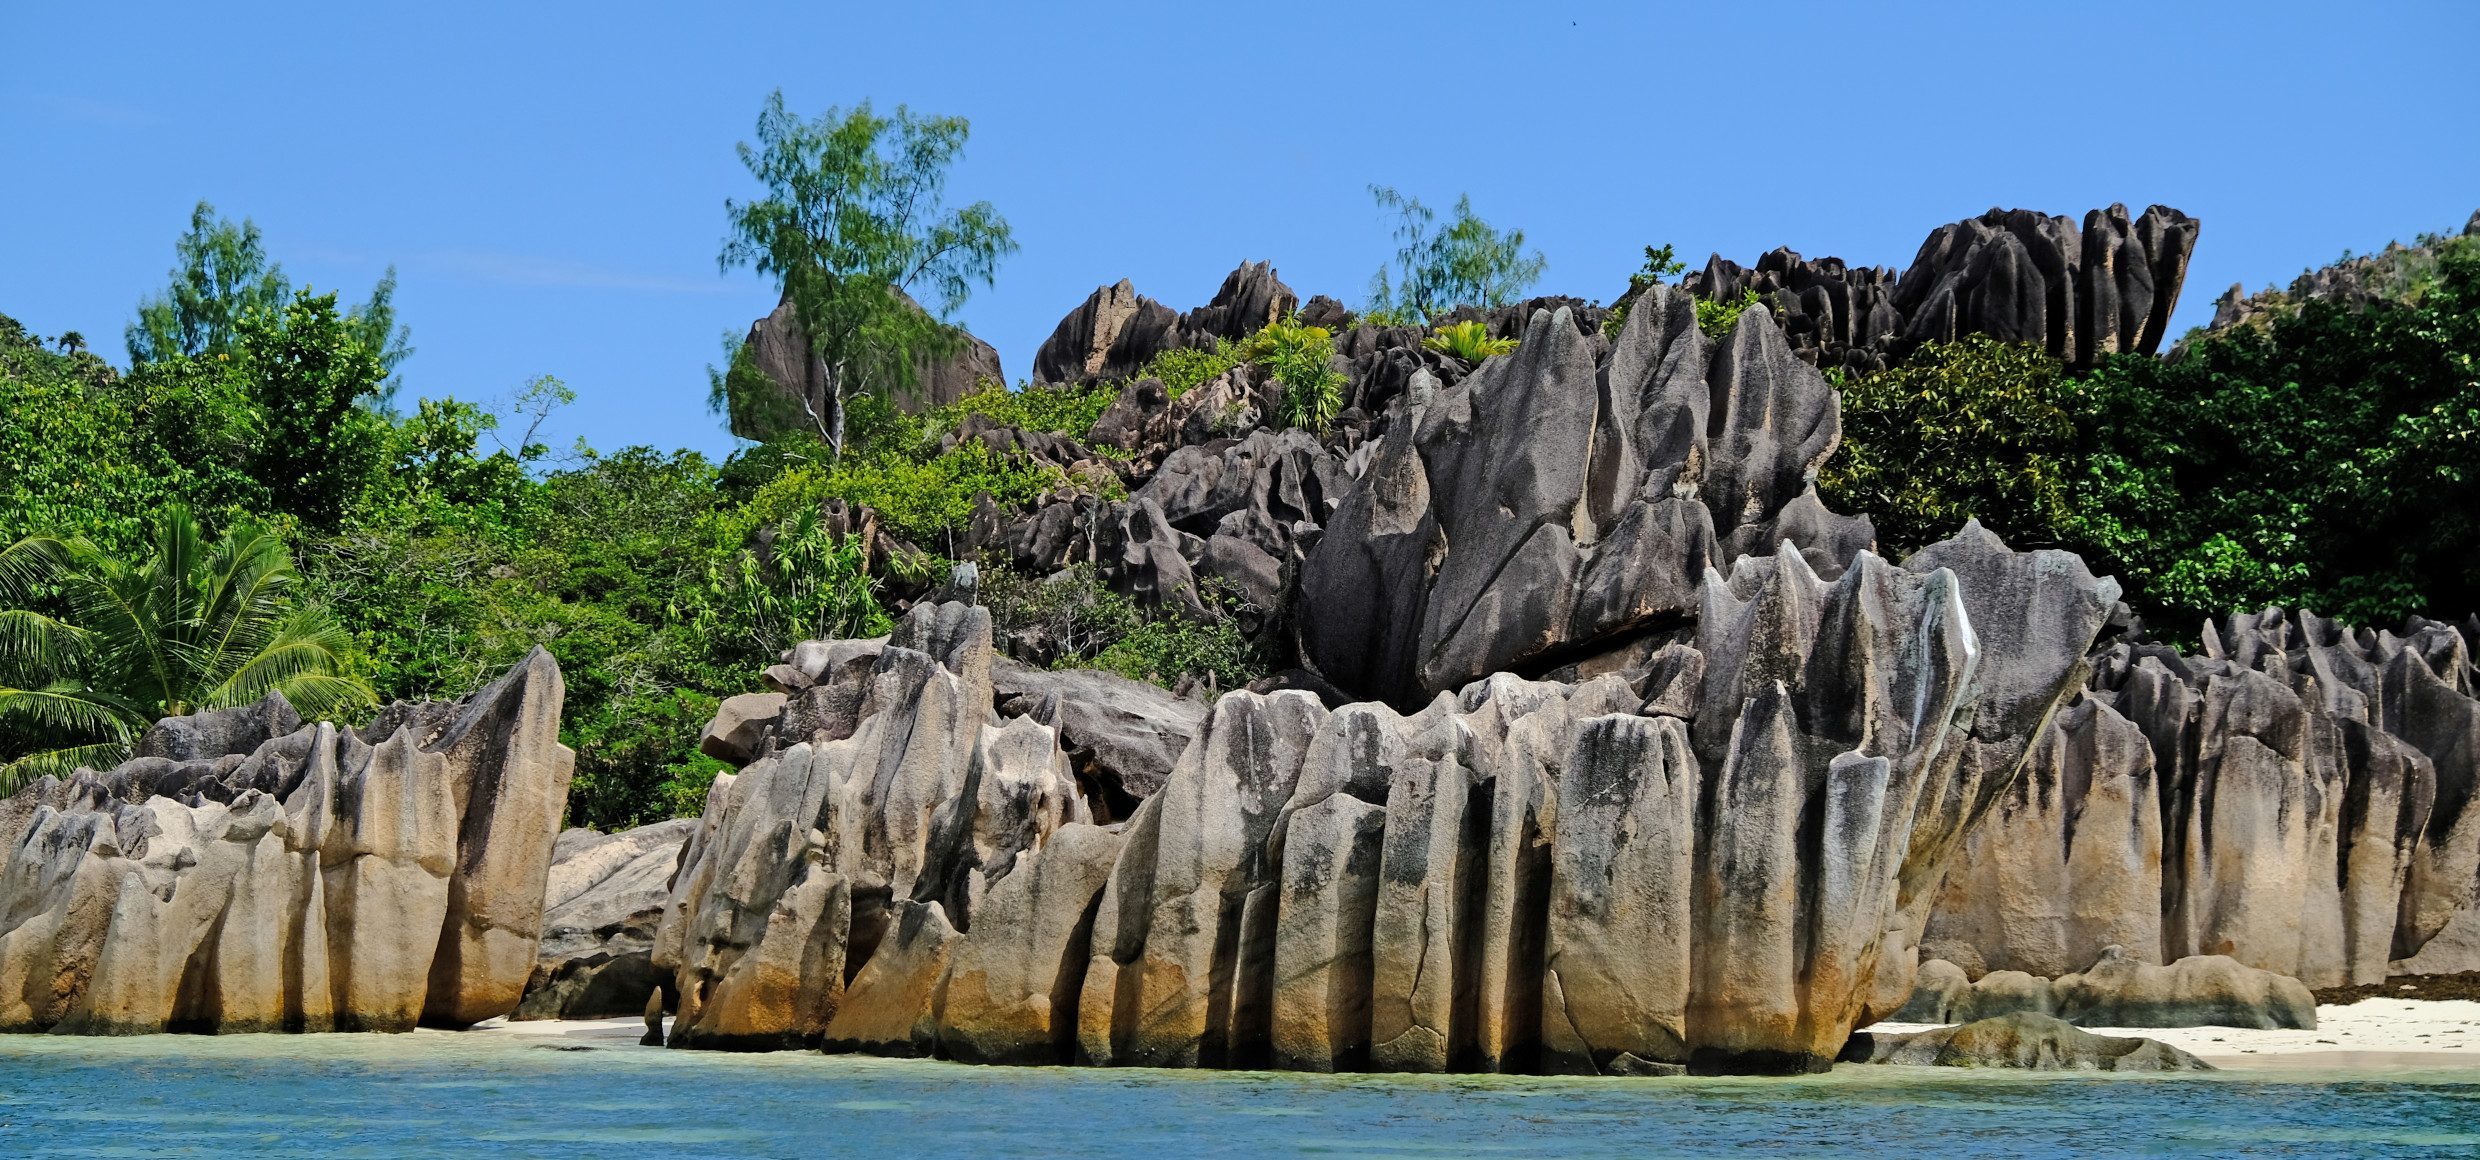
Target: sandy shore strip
(2374,1034)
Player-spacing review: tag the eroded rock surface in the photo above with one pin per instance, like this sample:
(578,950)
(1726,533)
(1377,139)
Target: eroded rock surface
(600,906)
(2298,798)
(250,873)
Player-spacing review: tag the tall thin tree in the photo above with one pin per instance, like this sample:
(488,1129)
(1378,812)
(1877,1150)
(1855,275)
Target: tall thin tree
(853,226)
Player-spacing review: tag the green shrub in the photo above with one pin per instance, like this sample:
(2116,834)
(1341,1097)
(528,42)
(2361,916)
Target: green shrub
(1973,429)
(1186,367)
(1468,341)
(1091,626)
(1061,410)
(1301,358)
(1716,318)
(811,585)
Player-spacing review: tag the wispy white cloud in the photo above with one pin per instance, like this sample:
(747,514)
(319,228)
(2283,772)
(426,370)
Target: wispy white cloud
(87,110)
(538,270)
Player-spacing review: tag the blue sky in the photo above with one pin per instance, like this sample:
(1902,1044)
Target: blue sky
(550,182)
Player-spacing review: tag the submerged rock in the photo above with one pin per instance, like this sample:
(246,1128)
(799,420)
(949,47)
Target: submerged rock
(2027,1041)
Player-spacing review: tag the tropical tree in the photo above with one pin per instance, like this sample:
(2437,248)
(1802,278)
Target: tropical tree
(1466,264)
(853,224)
(94,649)
(223,277)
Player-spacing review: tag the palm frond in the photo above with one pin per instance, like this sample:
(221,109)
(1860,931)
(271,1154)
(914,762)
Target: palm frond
(32,562)
(69,707)
(62,762)
(308,644)
(37,648)
(327,696)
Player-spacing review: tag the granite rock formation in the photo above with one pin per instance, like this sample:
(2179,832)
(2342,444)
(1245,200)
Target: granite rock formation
(1116,331)
(601,902)
(248,872)
(2015,275)
(779,350)
(2298,798)
(1562,505)
(2386,274)
(1716,862)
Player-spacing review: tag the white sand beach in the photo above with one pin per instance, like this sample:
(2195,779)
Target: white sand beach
(2376,1034)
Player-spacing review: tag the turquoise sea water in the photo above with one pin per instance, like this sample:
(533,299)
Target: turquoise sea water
(439,1094)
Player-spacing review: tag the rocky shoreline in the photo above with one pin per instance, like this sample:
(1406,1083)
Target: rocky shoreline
(1611,750)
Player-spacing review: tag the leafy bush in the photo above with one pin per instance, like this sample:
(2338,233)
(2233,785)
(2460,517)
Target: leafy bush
(1977,428)
(1468,341)
(1186,367)
(1063,410)
(1716,318)
(1301,358)
(1084,624)
(810,585)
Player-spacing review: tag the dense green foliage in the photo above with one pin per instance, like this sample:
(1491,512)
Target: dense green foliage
(1466,264)
(1184,367)
(2328,458)
(1977,429)
(223,278)
(1084,624)
(2331,460)
(94,648)
(851,224)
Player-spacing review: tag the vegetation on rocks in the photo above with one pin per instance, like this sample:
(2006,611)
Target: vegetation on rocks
(1469,341)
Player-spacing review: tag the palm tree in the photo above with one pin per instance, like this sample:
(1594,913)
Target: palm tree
(194,626)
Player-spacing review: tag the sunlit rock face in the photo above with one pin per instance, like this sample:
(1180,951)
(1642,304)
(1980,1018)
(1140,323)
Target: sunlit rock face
(1717,860)
(248,872)
(2298,798)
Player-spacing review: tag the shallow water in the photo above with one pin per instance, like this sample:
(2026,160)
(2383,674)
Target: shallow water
(435,1093)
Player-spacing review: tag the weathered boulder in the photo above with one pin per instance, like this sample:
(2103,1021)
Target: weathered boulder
(739,724)
(325,880)
(1176,978)
(2025,1040)
(2313,815)
(2120,990)
(2069,860)
(601,903)
(804,395)
(821,855)
(1123,735)
(1011,991)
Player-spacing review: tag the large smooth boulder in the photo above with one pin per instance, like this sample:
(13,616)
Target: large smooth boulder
(601,903)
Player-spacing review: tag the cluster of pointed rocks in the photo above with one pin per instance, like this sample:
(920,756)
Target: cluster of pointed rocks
(1615,751)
